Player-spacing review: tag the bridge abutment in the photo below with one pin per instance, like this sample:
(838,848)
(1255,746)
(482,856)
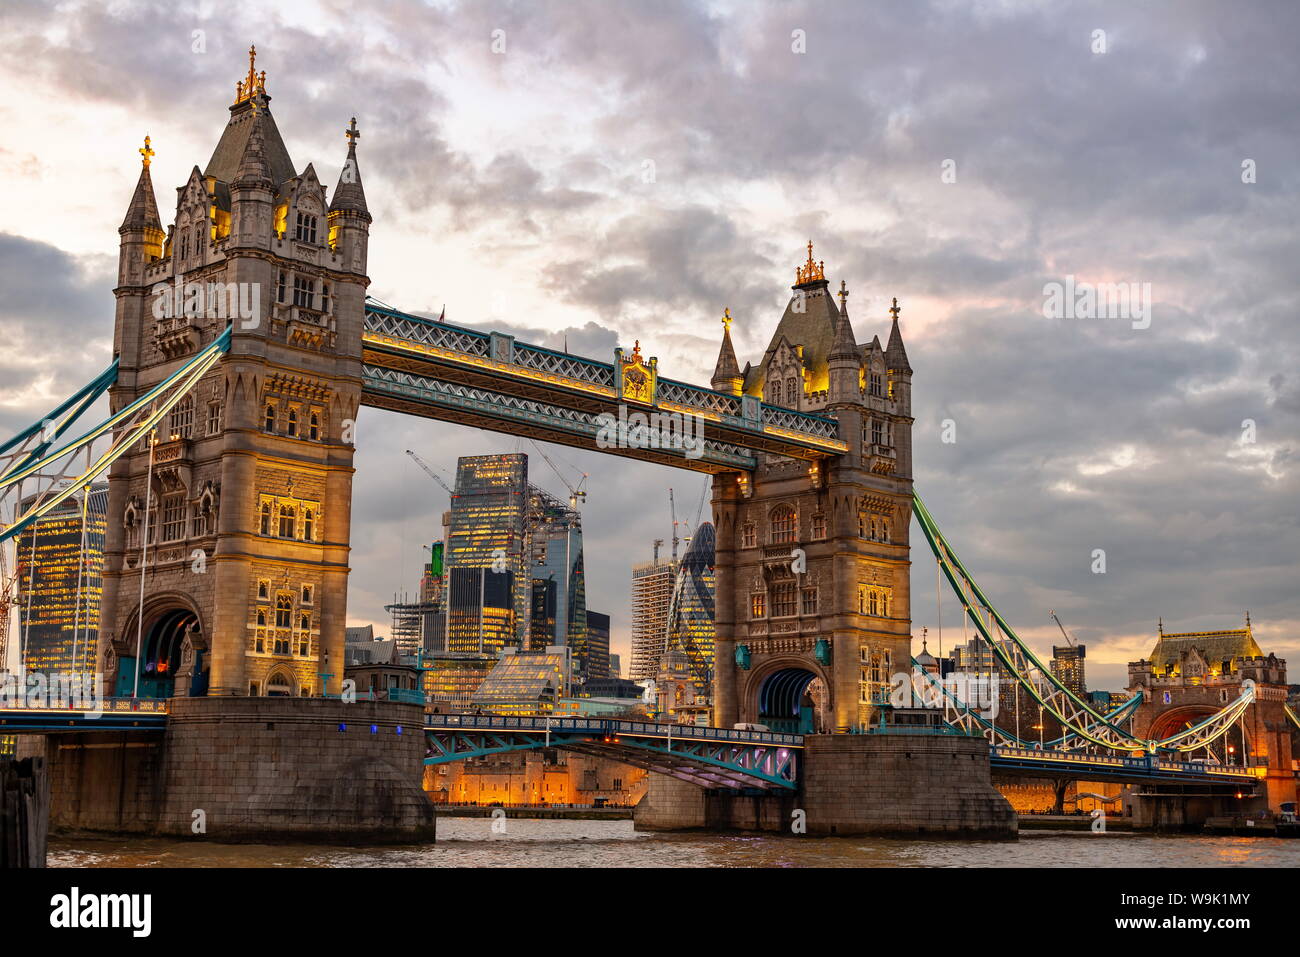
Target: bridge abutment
(903,785)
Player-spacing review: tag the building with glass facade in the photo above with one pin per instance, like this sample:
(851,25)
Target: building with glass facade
(597,660)
(526,682)
(559,590)
(690,615)
(60,579)
(487,554)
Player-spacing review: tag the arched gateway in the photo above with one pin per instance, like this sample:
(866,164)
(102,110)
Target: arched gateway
(249,482)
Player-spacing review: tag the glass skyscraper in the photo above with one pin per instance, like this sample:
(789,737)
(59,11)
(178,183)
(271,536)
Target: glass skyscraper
(58,606)
(690,616)
(559,591)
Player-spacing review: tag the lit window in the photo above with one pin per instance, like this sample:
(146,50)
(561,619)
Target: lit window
(783,523)
(758,606)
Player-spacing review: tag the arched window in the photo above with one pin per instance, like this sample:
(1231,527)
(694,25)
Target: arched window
(873,603)
(283,611)
(266,518)
(292,429)
(305,230)
(270,417)
(308,525)
(304,623)
(287,521)
(313,427)
(279,685)
(884,530)
(261,618)
(775,398)
(281,281)
(791,391)
(784,524)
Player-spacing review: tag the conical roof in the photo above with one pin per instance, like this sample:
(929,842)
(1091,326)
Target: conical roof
(143,211)
(895,354)
(349,193)
(229,154)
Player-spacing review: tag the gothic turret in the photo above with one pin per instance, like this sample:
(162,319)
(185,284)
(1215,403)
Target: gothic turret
(843,361)
(726,374)
(900,370)
(141,230)
(252,192)
(349,217)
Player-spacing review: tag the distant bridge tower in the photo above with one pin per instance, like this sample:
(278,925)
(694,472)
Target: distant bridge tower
(246,554)
(813,598)
(1190,676)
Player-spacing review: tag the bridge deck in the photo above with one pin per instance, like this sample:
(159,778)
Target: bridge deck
(436,370)
(114,714)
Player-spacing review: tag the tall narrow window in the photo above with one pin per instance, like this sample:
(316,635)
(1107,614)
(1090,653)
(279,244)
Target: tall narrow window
(758,606)
(776,392)
(784,600)
(292,428)
(818,525)
(304,292)
(214,418)
(791,392)
(266,524)
(877,432)
(308,525)
(747,537)
(280,282)
(809,602)
(305,229)
(324,297)
(313,427)
(181,423)
(173,517)
(283,611)
(287,521)
(270,418)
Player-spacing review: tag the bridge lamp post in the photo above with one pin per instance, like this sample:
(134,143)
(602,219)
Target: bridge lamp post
(144,555)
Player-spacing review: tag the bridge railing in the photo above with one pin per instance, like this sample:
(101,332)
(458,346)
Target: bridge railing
(497,722)
(1141,763)
(106,705)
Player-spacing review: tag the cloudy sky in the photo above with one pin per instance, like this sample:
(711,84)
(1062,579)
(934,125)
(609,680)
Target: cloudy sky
(608,171)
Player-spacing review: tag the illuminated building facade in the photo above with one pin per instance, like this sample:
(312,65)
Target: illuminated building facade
(58,606)
(450,680)
(1067,667)
(487,555)
(652,595)
(690,617)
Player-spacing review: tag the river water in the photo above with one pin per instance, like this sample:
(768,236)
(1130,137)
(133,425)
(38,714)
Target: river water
(471,842)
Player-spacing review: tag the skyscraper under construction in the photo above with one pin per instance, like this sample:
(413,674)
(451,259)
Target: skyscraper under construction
(652,595)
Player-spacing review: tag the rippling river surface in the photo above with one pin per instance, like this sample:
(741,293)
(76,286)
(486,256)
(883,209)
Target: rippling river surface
(470,842)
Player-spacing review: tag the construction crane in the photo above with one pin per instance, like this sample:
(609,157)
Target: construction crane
(1068,640)
(431,473)
(575,491)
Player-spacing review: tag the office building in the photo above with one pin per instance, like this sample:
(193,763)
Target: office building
(690,615)
(57,626)
(1067,667)
(652,594)
(598,658)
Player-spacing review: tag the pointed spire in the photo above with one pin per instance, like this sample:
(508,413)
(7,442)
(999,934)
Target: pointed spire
(349,193)
(253,167)
(726,374)
(143,211)
(844,346)
(895,354)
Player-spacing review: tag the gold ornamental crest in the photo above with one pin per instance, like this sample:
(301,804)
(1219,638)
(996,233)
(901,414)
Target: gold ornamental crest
(638,378)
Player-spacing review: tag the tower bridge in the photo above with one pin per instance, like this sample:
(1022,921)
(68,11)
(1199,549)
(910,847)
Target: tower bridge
(228,537)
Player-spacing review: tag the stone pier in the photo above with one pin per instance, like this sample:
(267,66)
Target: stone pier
(903,785)
(242,769)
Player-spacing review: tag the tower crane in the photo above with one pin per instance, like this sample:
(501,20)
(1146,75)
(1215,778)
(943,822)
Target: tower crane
(575,491)
(431,473)
(1068,640)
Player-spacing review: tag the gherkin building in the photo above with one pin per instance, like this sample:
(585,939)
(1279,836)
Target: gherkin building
(690,617)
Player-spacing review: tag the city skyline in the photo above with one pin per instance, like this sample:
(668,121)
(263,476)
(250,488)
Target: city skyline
(1046,467)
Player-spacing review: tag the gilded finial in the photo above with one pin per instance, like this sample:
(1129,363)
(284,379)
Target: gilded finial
(254,82)
(147,152)
(636,353)
(352,133)
(726,320)
(895,309)
(810,271)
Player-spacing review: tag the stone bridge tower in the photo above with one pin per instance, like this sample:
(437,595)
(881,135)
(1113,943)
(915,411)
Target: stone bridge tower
(245,560)
(1189,676)
(813,603)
